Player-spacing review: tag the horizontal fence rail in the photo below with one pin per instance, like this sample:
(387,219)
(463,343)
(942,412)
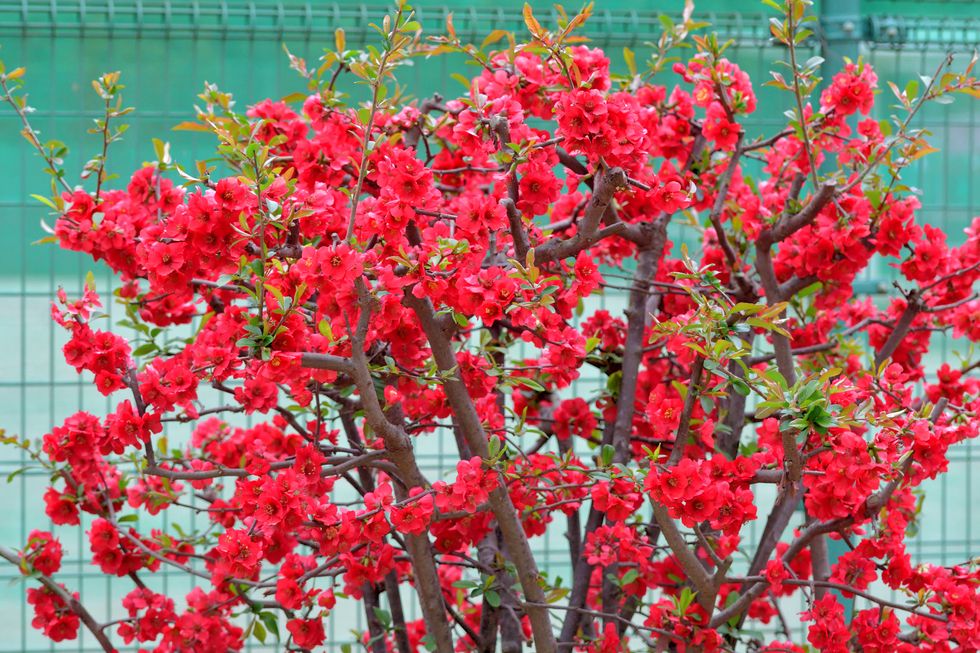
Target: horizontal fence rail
(175,19)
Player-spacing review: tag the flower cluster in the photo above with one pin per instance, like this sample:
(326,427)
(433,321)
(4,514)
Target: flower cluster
(370,286)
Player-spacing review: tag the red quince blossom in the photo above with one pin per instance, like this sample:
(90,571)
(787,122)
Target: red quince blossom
(414,517)
(51,614)
(43,552)
(470,490)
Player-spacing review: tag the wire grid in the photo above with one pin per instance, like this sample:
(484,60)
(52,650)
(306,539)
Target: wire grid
(166,50)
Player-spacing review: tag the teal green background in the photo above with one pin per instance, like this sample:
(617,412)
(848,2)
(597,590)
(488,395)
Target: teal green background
(166,50)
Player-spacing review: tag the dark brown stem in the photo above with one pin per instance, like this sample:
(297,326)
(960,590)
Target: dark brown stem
(376,632)
(719,206)
(689,562)
(401,453)
(556,249)
(820,560)
(326,362)
(489,615)
(500,503)
(841,587)
(788,226)
(901,330)
(753,590)
(398,624)
(517,231)
(693,389)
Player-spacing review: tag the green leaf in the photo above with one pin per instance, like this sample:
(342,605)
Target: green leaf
(530,383)
(607,454)
(271,623)
(811,289)
(729,600)
(494,446)
(44,200)
(630,59)
(775,375)
(275,293)
(746,307)
(911,89)
(493,37)
(259,631)
(17,472)
(813,62)
(741,387)
(462,80)
(493,598)
(384,617)
(630,576)
(145,349)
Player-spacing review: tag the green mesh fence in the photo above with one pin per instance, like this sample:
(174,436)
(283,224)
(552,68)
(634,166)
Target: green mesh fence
(166,50)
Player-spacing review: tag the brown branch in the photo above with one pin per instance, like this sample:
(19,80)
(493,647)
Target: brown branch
(73,604)
(754,589)
(376,634)
(820,562)
(400,452)
(570,162)
(951,305)
(880,499)
(841,587)
(556,249)
(517,230)
(326,362)
(500,503)
(786,227)
(719,206)
(689,562)
(30,134)
(895,338)
(789,288)
(693,388)
(900,136)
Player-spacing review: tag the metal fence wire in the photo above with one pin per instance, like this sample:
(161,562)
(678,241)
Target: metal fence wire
(167,49)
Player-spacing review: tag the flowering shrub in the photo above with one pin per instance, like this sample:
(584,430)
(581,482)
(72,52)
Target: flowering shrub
(363,279)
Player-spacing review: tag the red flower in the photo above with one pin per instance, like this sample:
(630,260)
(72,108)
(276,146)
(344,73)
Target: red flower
(60,508)
(574,416)
(289,594)
(617,498)
(776,573)
(125,428)
(471,489)
(851,90)
(718,128)
(43,552)
(239,554)
(307,633)
(415,515)
(52,616)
